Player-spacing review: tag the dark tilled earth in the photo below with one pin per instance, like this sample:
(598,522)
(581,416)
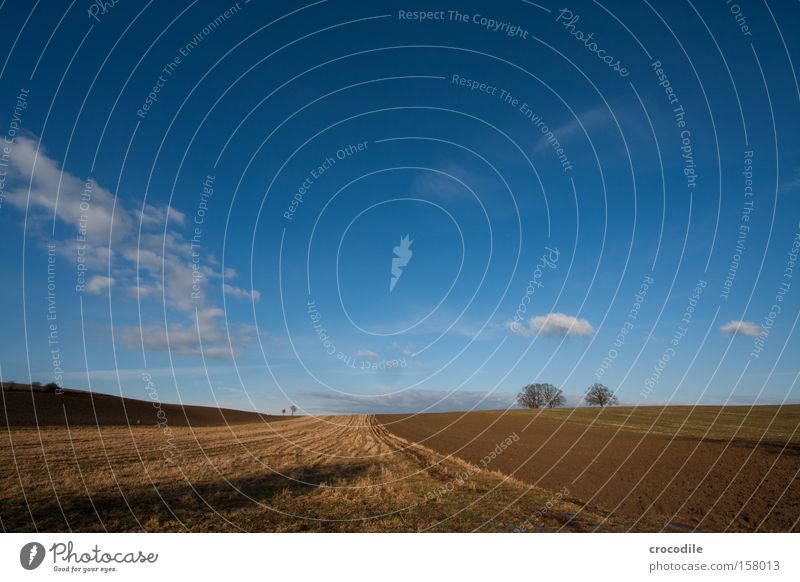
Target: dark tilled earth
(21,405)
(683,483)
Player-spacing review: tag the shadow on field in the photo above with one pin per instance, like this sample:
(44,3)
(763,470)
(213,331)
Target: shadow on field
(243,503)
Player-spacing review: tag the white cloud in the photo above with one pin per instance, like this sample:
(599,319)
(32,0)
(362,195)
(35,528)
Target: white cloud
(367,355)
(158,215)
(54,190)
(553,324)
(744,328)
(150,255)
(240,293)
(204,336)
(98,283)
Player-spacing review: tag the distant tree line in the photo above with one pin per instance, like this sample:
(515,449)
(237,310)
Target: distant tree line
(548,396)
(34,386)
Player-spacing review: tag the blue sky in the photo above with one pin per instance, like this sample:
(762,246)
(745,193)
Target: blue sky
(218,189)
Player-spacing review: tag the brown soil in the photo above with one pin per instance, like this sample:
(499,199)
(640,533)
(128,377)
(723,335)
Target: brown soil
(23,405)
(680,483)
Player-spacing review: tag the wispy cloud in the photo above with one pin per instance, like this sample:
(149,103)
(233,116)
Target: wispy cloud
(240,293)
(98,283)
(406,351)
(45,189)
(553,324)
(439,184)
(792,184)
(205,335)
(744,328)
(407,401)
(591,119)
(150,256)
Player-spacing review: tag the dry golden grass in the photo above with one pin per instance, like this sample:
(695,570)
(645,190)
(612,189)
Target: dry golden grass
(343,473)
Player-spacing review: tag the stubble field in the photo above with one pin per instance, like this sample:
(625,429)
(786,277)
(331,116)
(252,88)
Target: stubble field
(343,473)
(83,467)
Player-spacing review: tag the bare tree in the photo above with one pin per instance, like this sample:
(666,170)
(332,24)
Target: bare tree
(293,408)
(553,396)
(540,396)
(600,395)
